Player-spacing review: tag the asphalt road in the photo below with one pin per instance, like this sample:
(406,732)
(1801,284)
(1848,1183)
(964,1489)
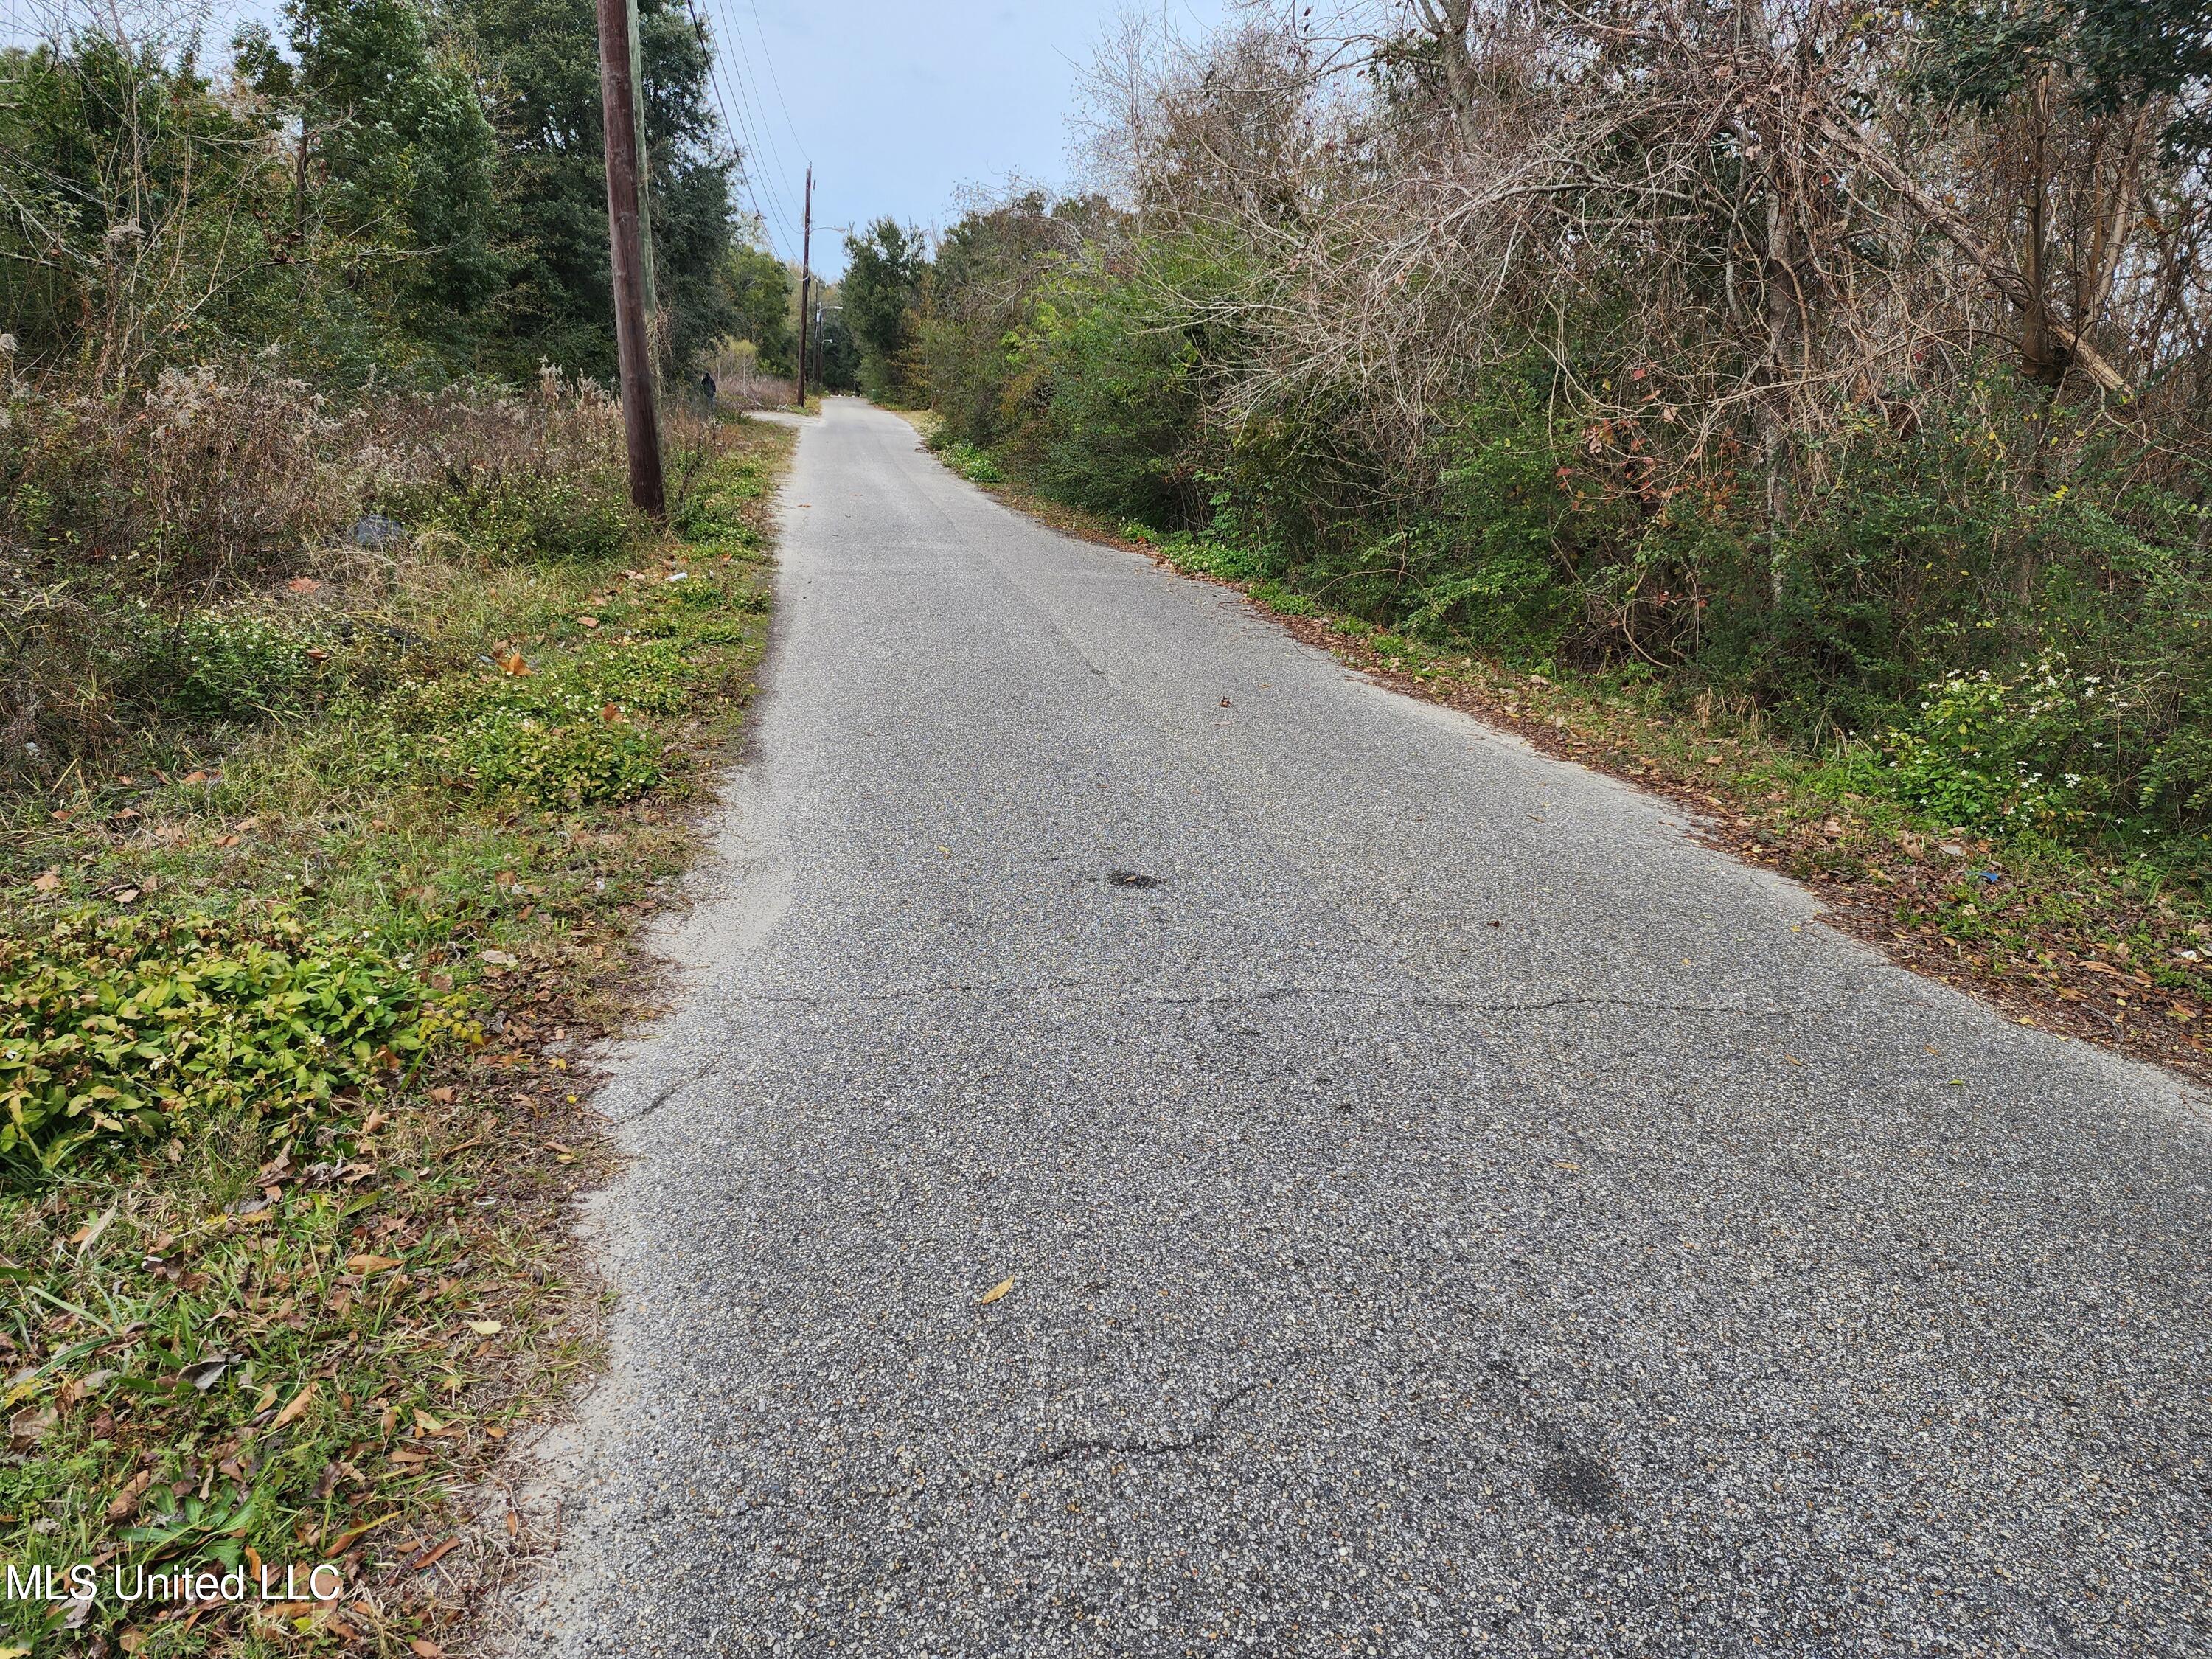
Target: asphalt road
(1448,1210)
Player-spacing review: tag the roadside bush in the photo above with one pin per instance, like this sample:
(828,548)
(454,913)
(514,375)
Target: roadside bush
(238,665)
(564,751)
(199,478)
(1519,531)
(1207,555)
(2025,750)
(971,463)
(1101,403)
(508,515)
(143,536)
(1564,487)
(124,1030)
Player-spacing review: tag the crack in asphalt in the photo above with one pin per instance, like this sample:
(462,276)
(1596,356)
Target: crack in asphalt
(1272,993)
(1792,1328)
(667,1092)
(1095,1447)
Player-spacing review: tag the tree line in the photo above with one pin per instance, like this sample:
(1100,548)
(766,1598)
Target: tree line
(396,190)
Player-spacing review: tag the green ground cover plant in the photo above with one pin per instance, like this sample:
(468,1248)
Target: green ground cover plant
(350,721)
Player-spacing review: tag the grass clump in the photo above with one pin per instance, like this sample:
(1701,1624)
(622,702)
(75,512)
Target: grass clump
(975,465)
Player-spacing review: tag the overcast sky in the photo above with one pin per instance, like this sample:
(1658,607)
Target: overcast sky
(900,103)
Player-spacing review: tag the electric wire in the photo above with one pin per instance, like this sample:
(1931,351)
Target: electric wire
(729,124)
(777,212)
(732,126)
(753,112)
(748,81)
(776,81)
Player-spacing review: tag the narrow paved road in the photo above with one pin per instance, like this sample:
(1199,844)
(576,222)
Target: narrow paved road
(1448,1210)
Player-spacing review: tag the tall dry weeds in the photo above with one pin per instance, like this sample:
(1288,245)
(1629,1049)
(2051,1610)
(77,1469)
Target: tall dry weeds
(213,493)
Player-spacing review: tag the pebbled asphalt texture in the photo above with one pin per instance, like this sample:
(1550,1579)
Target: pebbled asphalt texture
(1449,1210)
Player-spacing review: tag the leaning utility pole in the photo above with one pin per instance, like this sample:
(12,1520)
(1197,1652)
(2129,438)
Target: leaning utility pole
(806,258)
(633,347)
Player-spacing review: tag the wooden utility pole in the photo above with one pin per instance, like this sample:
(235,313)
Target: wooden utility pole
(633,347)
(644,167)
(805,274)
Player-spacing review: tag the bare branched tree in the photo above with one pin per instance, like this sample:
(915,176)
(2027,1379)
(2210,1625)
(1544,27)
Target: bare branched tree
(1771,215)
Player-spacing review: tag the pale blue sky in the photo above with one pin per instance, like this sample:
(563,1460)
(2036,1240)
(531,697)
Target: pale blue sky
(900,105)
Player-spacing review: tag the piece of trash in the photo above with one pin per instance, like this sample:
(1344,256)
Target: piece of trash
(376,533)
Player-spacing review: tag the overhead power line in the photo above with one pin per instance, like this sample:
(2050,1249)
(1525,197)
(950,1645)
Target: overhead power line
(734,127)
(770,171)
(748,83)
(776,81)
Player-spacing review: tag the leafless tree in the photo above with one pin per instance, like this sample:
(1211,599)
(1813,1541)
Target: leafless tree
(1775,228)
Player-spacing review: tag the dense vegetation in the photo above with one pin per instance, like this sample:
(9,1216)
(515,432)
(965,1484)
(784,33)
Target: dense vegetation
(884,269)
(241,311)
(286,995)
(392,192)
(1848,369)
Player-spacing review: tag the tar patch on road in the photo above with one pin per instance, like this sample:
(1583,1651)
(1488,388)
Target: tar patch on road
(1580,1486)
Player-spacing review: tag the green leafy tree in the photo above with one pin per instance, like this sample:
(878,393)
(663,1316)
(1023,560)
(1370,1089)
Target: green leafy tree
(980,300)
(882,291)
(2111,55)
(392,160)
(839,354)
(759,288)
(541,59)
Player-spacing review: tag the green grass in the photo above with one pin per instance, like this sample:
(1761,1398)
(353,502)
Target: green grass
(276,1315)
